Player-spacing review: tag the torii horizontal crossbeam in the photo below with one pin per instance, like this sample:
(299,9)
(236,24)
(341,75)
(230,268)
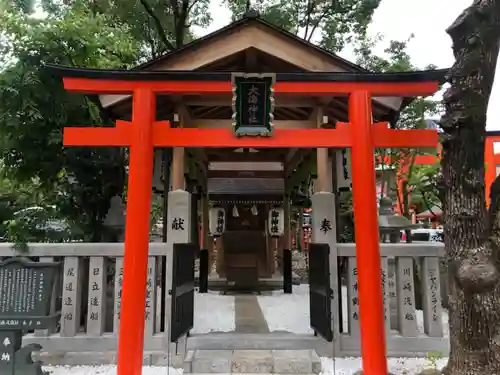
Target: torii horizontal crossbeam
(97,81)
(165,136)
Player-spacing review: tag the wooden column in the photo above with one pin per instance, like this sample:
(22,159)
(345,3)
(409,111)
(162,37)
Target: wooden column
(271,261)
(206,240)
(286,232)
(280,245)
(178,153)
(220,267)
(323,169)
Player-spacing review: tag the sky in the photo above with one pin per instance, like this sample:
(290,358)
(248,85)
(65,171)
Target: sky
(398,19)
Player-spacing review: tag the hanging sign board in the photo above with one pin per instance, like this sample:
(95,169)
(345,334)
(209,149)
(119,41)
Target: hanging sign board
(276,222)
(217,221)
(343,168)
(253,103)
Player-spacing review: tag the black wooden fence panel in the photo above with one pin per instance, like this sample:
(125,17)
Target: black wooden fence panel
(320,292)
(182,318)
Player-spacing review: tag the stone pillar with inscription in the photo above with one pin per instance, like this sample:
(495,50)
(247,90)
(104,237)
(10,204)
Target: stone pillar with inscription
(97,296)
(324,231)
(71,295)
(179,231)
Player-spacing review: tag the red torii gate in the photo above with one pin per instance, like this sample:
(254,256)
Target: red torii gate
(490,158)
(144,133)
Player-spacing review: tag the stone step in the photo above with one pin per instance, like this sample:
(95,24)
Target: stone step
(252,362)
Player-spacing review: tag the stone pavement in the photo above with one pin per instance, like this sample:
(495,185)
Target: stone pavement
(248,315)
(252,362)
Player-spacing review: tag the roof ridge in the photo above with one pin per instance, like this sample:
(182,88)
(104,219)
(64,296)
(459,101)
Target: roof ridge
(252,16)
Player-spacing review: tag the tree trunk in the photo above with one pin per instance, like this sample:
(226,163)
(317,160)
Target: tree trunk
(471,243)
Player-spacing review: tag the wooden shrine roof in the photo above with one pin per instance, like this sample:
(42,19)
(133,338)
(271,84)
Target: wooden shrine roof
(250,45)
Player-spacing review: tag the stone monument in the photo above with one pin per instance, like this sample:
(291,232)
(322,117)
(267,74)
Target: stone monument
(26,291)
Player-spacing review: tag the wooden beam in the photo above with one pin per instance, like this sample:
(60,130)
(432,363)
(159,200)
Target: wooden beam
(295,161)
(245,197)
(196,153)
(185,115)
(225,100)
(200,159)
(323,181)
(199,176)
(291,153)
(245,157)
(284,124)
(245,174)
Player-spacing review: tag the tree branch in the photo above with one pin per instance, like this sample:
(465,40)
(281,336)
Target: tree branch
(157,22)
(320,18)
(309,8)
(192,5)
(175,10)
(427,205)
(180,24)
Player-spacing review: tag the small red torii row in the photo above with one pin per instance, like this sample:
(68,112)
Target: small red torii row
(490,158)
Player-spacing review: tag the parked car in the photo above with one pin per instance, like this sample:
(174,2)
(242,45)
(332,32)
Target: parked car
(427,235)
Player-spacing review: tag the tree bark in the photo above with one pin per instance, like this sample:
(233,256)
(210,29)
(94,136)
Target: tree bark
(471,240)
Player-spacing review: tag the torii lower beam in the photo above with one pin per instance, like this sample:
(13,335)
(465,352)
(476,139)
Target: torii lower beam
(143,134)
(165,136)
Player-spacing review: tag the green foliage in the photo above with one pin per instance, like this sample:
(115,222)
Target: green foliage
(26,214)
(24,6)
(396,59)
(413,116)
(433,358)
(159,26)
(37,224)
(346,218)
(35,108)
(425,186)
(337,22)
(156,211)
(90,33)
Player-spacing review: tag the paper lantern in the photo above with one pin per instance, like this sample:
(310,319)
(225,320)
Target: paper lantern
(217,221)
(276,222)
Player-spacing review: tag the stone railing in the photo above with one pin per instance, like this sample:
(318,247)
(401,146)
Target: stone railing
(89,300)
(413,313)
(89,293)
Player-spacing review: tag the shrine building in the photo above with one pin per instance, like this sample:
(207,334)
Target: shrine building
(247,182)
(237,165)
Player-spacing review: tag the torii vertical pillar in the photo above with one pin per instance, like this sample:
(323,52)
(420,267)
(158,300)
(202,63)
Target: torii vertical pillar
(373,347)
(135,264)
